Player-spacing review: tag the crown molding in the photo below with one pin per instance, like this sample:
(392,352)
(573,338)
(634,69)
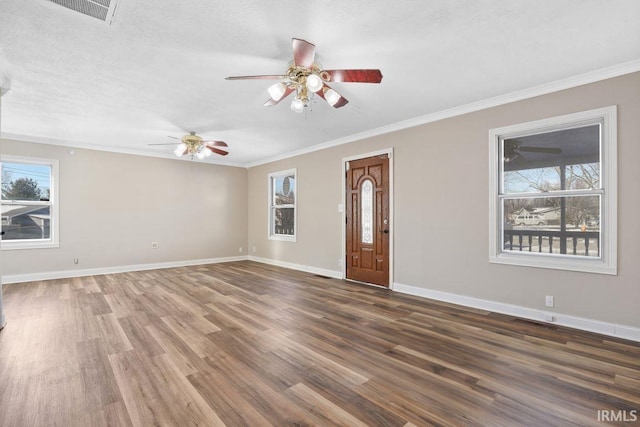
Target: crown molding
(543,89)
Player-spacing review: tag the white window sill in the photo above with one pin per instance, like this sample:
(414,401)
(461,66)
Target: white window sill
(283,238)
(10,246)
(558,262)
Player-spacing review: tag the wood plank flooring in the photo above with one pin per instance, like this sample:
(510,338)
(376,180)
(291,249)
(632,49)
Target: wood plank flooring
(245,344)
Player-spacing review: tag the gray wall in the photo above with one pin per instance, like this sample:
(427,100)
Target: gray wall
(442,203)
(112,206)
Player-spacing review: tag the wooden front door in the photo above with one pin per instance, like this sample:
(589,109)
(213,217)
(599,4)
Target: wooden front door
(367,210)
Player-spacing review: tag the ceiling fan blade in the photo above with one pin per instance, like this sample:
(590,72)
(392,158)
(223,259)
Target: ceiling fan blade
(332,97)
(355,76)
(215,143)
(166,143)
(304,53)
(272,101)
(259,77)
(217,150)
(172,137)
(550,150)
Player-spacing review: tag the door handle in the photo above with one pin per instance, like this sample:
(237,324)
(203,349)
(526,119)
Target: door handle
(385,231)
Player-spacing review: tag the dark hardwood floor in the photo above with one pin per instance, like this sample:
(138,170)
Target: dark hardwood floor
(245,344)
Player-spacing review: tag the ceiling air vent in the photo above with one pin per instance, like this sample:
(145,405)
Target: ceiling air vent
(104,10)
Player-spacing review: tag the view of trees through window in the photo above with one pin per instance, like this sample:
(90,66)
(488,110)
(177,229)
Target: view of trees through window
(551,192)
(26,191)
(580,211)
(25,181)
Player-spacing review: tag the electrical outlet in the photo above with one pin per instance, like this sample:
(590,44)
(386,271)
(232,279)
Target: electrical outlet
(254,249)
(76,261)
(155,245)
(240,250)
(340,263)
(548,301)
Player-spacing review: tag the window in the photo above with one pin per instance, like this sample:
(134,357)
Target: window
(282,205)
(29,203)
(553,193)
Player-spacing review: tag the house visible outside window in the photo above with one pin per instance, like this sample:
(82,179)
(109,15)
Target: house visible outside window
(282,205)
(553,193)
(29,202)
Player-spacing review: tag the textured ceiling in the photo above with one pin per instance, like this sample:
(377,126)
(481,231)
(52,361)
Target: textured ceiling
(159,68)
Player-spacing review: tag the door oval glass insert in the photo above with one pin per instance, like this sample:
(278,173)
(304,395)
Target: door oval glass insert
(366,213)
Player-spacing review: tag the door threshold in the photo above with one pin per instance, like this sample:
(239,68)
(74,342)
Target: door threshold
(367,283)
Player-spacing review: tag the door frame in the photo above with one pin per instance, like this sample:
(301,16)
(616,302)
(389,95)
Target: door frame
(342,210)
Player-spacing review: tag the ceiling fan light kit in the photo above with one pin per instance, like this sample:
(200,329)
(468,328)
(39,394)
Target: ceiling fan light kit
(199,151)
(307,78)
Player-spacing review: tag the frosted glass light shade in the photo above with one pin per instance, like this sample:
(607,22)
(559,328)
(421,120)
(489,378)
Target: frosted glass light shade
(180,149)
(331,96)
(314,83)
(276,91)
(297,105)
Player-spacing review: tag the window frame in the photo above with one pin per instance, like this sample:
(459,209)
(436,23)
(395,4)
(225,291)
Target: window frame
(272,207)
(607,262)
(54,209)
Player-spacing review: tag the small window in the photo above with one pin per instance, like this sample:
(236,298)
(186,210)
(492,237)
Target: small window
(553,189)
(29,207)
(282,205)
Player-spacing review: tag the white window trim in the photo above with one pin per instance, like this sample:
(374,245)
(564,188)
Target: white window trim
(270,208)
(607,263)
(53,240)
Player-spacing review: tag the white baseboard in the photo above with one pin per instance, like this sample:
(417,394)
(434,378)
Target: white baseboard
(591,325)
(307,268)
(50,275)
